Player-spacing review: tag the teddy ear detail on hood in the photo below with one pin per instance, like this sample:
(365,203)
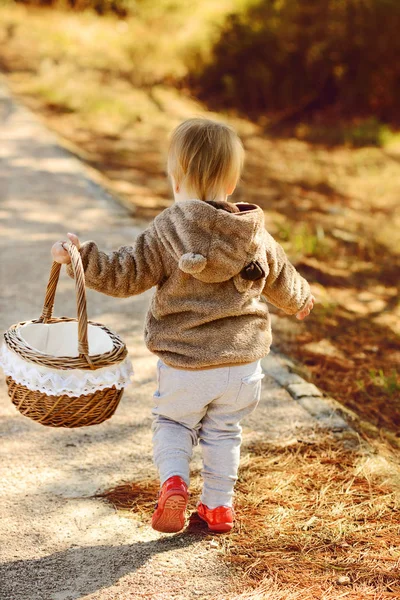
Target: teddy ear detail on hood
(192,263)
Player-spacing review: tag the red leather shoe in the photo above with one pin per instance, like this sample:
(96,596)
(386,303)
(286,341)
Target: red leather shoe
(169,515)
(218,519)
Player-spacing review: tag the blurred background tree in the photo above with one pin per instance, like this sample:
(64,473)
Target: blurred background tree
(298,56)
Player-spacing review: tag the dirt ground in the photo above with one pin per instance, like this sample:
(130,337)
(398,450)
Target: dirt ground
(58,542)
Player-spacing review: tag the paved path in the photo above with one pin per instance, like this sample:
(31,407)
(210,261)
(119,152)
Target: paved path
(56,542)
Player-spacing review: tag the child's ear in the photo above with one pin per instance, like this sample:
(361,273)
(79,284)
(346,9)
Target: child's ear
(175,185)
(230,189)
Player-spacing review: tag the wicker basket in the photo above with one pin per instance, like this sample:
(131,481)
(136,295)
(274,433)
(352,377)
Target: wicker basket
(63,409)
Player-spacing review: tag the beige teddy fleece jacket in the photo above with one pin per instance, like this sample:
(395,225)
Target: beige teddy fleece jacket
(203,313)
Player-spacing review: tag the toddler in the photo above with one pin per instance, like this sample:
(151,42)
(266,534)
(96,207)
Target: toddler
(213,265)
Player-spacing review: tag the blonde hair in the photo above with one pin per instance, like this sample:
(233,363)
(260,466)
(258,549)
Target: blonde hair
(206,156)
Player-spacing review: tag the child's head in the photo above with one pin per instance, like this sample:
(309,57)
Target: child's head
(205,158)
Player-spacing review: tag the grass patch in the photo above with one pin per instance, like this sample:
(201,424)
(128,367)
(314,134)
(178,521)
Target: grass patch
(365,132)
(389,383)
(314,520)
(139,48)
(302,239)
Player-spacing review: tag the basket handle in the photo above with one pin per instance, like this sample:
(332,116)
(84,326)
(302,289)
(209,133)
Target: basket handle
(79,276)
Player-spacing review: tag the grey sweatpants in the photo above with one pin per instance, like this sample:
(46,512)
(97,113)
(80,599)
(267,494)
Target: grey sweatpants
(206,406)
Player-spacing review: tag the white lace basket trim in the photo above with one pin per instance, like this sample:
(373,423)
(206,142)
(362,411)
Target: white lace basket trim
(57,382)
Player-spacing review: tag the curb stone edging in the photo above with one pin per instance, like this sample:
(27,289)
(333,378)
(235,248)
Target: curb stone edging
(329,414)
(325,410)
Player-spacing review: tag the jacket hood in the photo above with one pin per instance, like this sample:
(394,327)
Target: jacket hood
(210,244)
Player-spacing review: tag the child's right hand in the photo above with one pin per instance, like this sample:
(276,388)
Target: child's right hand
(60,254)
(306,310)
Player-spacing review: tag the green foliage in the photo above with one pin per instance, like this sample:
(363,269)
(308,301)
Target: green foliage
(365,132)
(303,239)
(389,383)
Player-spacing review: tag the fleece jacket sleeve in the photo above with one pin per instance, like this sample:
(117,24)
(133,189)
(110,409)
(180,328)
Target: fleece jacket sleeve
(128,271)
(285,288)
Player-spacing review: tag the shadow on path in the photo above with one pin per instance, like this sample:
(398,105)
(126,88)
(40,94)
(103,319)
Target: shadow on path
(77,572)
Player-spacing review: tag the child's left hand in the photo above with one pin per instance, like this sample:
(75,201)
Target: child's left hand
(59,253)
(306,310)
